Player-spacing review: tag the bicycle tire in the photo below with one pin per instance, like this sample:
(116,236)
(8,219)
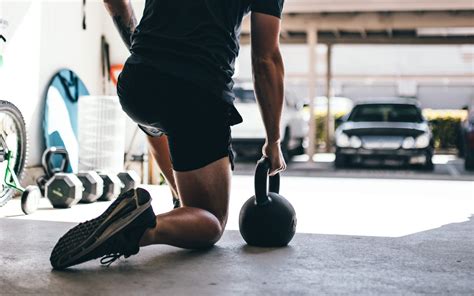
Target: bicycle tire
(21,152)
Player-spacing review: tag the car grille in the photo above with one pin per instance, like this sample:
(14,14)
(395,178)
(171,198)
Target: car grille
(382,142)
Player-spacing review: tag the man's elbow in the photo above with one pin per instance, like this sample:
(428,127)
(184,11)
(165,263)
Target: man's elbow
(265,59)
(270,60)
(258,61)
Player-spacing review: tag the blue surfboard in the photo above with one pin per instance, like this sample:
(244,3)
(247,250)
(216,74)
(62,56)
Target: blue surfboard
(60,114)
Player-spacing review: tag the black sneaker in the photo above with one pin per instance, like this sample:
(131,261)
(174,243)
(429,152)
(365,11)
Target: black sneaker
(115,233)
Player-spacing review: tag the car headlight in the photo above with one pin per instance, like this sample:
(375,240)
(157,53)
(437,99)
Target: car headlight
(408,143)
(342,140)
(422,141)
(355,142)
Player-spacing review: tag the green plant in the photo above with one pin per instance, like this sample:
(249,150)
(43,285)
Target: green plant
(445,125)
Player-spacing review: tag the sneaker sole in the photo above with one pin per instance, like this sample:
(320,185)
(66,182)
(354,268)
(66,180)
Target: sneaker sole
(111,225)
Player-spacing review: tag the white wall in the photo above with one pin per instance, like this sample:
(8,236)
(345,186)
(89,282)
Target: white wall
(19,76)
(43,37)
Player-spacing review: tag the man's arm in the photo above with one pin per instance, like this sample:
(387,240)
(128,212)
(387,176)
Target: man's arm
(124,18)
(268,74)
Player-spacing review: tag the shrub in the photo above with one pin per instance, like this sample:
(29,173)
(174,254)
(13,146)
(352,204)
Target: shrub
(445,125)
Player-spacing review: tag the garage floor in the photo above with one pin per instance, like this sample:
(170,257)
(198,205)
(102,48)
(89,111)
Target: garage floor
(440,261)
(363,236)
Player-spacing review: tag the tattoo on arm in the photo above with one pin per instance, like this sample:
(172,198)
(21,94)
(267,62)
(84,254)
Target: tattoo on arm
(123,17)
(125,28)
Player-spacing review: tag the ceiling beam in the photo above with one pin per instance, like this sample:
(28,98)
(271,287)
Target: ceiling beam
(331,39)
(377,5)
(374,21)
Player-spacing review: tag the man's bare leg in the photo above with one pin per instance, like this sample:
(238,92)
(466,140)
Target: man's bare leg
(201,220)
(161,152)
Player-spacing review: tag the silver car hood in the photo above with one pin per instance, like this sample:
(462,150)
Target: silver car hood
(404,125)
(384,128)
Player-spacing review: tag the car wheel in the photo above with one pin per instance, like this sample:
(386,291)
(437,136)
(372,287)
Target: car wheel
(299,150)
(428,166)
(469,162)
(340,161)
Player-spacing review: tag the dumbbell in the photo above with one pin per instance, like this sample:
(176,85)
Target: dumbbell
(93,186)
(112,186)
(117,184)
(64,190)
(129,179)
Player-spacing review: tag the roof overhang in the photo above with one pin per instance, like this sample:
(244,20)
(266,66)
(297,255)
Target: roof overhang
(392,27)
(331,6)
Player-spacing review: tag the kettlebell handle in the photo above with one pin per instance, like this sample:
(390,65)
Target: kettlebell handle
(48,157)
(261,176)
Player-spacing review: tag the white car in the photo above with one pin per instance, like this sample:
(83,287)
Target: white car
(249,136)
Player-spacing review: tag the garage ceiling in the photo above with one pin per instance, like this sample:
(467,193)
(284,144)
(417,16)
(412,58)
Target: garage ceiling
(377,21)
(308,6)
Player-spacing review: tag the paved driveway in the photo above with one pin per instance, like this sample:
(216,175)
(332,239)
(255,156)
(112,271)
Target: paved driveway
(447,167)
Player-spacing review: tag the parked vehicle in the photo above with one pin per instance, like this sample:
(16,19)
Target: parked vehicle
(386,131)
(249,136)
(466,147)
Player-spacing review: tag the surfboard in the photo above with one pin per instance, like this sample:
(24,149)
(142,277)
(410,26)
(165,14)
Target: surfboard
(60,114)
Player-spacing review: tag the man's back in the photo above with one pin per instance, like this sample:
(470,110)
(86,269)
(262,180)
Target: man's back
(197,40)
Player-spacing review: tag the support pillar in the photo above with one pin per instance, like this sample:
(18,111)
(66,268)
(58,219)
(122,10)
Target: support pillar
(329,117)
(312,41)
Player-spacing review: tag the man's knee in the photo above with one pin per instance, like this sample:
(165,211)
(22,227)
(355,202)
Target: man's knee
(213,228)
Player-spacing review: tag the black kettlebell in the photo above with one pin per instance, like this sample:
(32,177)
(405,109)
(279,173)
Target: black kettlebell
(267,219)
(55,160)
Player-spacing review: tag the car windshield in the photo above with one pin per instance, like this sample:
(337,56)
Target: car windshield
(386,113)
(244,95)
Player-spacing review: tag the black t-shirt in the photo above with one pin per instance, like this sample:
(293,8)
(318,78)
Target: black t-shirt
(197,40)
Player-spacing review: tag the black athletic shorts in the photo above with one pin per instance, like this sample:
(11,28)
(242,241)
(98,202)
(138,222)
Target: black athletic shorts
(196,122)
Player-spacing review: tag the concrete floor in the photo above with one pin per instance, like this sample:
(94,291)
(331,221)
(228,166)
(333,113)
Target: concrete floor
(439,261)
(355,236)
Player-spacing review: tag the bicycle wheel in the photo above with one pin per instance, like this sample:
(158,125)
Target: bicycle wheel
(13,132)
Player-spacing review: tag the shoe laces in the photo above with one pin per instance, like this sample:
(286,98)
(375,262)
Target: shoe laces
(107,260)
(114,249)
